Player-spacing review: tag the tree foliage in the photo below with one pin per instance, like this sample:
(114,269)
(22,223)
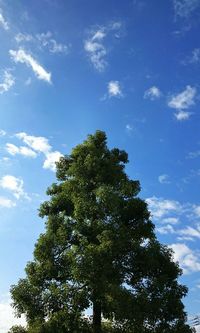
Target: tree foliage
(99,250)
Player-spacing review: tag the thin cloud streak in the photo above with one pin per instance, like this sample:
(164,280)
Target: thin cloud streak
(23,57)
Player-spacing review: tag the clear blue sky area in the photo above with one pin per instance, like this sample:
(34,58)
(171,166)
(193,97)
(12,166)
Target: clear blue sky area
(130,68)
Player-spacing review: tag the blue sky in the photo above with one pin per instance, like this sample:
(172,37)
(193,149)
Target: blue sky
(130,68)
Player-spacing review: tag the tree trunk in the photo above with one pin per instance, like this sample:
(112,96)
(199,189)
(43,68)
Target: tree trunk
(97,317)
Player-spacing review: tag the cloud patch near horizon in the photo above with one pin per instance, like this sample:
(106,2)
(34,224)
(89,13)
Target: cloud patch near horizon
(7,317)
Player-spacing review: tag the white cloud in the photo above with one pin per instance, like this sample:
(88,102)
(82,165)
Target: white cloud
(38,143)
(197,211)
(41,145)
(99,35)
(6,203)
(114,89)
(189,232)
(115,25)
(183,100)
(195,58)
(164,179)
(170,220)
(182,115)
(152,93)
(96,50)
(23,38)
(188,259)
(129,128)
(95,47)
(7,318)
(194,154)
(51,158)
(8,82)
(184,8)
(43,40)
(22,150)
(23,57)
(14,185)
(167,229)
(160,207)
(2,132)
(53,46)
(3,22)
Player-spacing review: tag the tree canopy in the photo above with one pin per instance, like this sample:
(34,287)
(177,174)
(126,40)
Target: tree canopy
(99,251)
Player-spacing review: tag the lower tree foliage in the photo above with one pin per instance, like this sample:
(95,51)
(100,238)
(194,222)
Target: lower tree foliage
(99,251)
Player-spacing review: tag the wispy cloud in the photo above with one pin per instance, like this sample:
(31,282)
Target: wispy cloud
(164,209)
(22,150)
(51,159)
(129,128)
(47,40)
(184,8)
(164,179)
(182,102)
(188,259)
(166,229)
(23,57)
(96,50)
(39,144)
(43,40)
(189,233)
(95,46)
(152,93)
(7,83)
(3,22)
(182,115)
(193,154)
(197,211)
(2,132)
(160,207)
(168,214)
(170,220)
(14,185)
(20,37)
(6,203)
(195,57)
(114,89)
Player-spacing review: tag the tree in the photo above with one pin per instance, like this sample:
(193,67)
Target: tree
(99,250)
(17,329)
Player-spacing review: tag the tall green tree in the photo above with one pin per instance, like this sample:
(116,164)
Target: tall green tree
(99,251)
